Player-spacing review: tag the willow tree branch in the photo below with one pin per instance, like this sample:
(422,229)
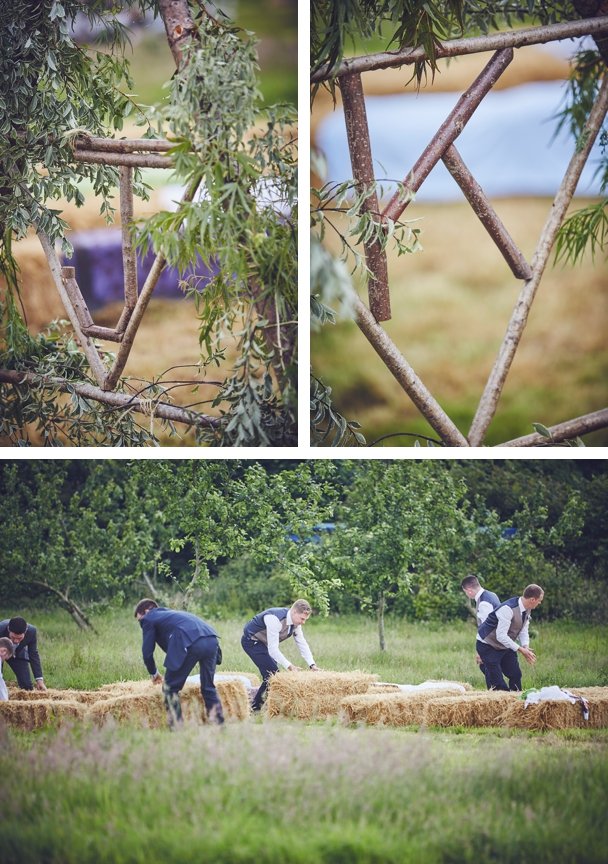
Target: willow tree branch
(134,403)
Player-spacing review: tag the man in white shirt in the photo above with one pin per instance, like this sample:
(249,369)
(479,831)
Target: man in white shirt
(485,602)
(496,639)
(261,638)
(7,650)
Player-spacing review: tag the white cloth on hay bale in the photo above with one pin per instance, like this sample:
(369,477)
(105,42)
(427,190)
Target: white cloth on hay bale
(426,685)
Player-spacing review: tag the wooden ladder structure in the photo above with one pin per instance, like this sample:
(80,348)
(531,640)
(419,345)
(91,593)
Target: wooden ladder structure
(442,148)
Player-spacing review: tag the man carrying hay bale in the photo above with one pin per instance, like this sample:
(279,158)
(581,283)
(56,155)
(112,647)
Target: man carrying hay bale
(485,602)
(186,641)
(261,637)
(496,639)
(25,639)
(7,649)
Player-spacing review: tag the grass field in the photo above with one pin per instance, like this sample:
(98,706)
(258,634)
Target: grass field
(277,790)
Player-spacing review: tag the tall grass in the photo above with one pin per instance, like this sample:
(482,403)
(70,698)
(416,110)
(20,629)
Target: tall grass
(279,792)
(276,791)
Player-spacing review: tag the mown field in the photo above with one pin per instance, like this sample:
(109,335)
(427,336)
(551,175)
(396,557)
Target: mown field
(278,790)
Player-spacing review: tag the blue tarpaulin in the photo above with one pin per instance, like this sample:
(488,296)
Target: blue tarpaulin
(509,144)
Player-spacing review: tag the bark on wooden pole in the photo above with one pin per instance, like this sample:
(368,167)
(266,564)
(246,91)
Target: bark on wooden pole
(563,431)
(486,213)
(91,353)
(359,146)
(450,129)
(493,389)
(474,45)
(401,370)
(129,258)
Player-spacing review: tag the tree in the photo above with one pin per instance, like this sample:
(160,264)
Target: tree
(420,27)
(398,530)
(74,532)
(222,510)
(52,90)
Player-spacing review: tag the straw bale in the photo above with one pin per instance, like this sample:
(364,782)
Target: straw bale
(84,696)
(551,714)
(313,695)
(30,714)
(142,702)
(482,708)
(391,709)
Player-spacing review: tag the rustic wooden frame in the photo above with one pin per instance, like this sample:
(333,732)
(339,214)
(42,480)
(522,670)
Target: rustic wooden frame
(442,147)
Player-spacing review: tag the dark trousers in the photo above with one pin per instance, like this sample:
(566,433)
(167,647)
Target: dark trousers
(204,652)
(267,666)
(21,668)
(497,663)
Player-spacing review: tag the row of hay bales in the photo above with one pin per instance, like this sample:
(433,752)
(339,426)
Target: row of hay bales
(355,698)
(137,702)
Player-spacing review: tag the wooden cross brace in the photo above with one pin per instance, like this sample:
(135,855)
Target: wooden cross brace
(126,154)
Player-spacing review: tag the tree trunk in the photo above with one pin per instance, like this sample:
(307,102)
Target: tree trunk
(75,611)
(381,606)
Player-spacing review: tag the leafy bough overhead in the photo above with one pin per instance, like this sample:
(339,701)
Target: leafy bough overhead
(415,35)
(242,221)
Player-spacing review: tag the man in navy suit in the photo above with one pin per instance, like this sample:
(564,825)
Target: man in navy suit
(186,641)
(25,641)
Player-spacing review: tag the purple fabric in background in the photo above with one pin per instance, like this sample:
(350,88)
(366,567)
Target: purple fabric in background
(98,261)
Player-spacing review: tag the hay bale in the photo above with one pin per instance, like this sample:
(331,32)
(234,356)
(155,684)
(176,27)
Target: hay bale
(30,714)
(483,708)
(85,697)
(556,714)
(313,695)
(142,702)
(390,709)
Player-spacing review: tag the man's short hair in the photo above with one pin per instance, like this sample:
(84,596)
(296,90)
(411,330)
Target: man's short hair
(302,606)
(470,582)
(143,606)
(17,625)
(5,642)
(533,591)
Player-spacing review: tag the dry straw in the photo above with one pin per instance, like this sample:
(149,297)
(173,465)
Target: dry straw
(560,715)
(470,709)
(313,695)
(136,702)
(30,714)
(391,709)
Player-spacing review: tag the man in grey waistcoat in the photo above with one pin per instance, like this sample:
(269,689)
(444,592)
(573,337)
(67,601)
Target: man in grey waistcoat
(261,638)
(497,637)
(485,602)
